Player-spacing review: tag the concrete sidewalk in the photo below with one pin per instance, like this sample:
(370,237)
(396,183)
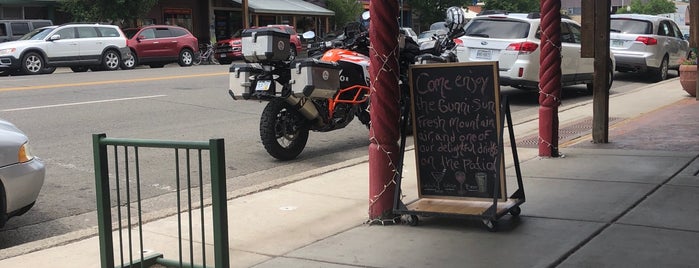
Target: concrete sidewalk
(631,202)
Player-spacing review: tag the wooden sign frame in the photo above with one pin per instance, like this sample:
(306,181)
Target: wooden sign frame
(458,131)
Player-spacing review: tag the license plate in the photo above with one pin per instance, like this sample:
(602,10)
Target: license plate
(263,85)
(617,43)
(483,54)
(223,55)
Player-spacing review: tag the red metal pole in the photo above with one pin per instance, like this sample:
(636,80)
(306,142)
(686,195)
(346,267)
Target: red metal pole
(384,109)
(549,77)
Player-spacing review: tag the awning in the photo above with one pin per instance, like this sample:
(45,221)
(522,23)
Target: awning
(290,7)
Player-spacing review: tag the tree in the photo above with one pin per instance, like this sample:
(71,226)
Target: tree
(345,11)
(520,6)
(113,11)
(652,7)
(431,11)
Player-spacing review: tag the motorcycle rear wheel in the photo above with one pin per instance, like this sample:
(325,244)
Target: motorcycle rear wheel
(283,130)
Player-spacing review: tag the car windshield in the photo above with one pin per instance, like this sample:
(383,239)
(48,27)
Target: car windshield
(506,29)
(130,33)
(37,34)
(237,34)
(630,26)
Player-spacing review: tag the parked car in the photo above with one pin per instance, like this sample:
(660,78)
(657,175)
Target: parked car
(646,43)
(513,40)
(11,30)
(78,46)
(21,173)
(228,50)
(157,45)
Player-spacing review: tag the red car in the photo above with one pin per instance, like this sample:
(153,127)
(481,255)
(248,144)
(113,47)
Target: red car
(228,50)
(157,45)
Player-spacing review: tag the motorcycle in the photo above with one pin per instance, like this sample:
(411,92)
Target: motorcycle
(322,93)
(303,95)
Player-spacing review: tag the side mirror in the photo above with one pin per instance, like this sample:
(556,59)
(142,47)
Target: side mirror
(309,35)
(140,37)
(55,37)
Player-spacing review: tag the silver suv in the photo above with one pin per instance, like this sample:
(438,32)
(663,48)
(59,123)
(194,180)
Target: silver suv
(646,43)
(513,40)
(78,46)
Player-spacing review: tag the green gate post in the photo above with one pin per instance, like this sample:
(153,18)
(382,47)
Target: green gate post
(219,200)
(104,213)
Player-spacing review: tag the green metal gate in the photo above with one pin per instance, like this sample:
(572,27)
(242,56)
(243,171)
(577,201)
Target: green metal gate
(125,183)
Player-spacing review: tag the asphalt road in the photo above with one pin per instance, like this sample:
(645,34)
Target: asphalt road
(61,111)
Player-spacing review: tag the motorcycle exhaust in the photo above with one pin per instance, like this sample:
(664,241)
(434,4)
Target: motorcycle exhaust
(306,107)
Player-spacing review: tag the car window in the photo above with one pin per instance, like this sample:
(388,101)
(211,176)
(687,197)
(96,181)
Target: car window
(87,32)
(108,31)
(3,32)
(665,29)
(177,32)
(66,33)
(19,28)
(162,33)
(678,32)
(148,33)
(39,24)
(574,34)
(507,29)
(631,26)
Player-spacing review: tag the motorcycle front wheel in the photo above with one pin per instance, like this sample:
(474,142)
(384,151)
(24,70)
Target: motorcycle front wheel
(283,130)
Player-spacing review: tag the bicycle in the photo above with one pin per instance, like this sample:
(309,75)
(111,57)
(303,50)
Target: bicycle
(207,56)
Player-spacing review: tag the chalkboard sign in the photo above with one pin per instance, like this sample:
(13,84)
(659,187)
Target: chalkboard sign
(457,130)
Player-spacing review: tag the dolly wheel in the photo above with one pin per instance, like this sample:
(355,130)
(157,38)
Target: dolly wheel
(492,225)
(412,220)
(515,211)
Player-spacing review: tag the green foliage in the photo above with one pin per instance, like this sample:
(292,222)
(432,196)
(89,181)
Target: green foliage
(651,7)
(345,11)
(107,10)
(431,11)
(514,6)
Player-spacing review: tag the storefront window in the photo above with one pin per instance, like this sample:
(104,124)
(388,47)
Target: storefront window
(12,13)
(267,20)
(36,13)
(178,16)
(227,23)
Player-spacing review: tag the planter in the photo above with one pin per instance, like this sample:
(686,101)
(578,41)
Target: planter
(688,79)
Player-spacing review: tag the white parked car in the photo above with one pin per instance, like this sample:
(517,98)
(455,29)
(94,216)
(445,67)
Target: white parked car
(513,41)
(646,43)
(21,173)
(78,46)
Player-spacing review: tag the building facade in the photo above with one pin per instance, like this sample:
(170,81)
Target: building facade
(206,19)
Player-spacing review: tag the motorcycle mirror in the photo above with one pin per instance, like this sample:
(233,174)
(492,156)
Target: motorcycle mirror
(365,15)
(309,35)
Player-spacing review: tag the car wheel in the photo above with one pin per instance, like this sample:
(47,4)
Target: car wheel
(111,60)
(661,73)
(79,69)
(48,70)
(186,58)
(32,63)
(292,52)
(130,62)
